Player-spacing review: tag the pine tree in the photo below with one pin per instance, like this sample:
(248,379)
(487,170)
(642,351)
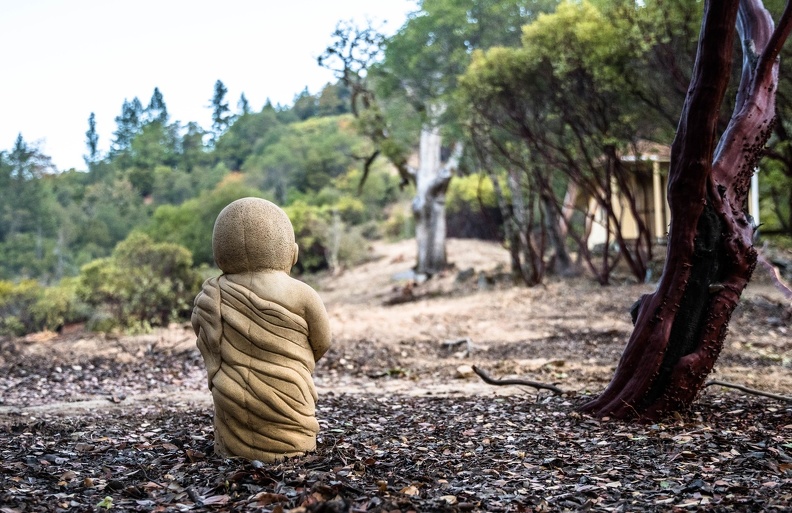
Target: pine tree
(129,123)
(305,105)
(92,141)
(156,110)
(243,105)
(20,157)
(220,110)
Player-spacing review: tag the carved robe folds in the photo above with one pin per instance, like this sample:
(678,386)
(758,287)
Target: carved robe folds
(259,363)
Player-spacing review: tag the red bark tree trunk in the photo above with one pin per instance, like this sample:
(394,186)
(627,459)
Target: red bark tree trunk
(680,328)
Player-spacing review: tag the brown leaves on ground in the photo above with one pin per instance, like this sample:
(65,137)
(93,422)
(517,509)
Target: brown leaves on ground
(410,454)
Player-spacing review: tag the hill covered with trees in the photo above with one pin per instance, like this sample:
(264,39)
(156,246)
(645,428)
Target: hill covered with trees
(524,101)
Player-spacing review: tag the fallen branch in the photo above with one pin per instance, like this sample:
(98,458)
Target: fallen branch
(454,343)
(451,344)
(486,378)
(747,390)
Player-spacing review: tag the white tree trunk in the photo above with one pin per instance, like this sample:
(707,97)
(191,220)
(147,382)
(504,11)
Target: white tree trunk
(431,183)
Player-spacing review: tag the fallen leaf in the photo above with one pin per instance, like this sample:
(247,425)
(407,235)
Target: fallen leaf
(266,498)
(106,503)
(215,500)
(410,490)
(68,475)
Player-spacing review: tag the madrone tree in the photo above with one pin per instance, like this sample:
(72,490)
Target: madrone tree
(555,114)
(680,328)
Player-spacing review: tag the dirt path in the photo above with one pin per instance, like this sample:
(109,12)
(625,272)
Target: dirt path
(394,338)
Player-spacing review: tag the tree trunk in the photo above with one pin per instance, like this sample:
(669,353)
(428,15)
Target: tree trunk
(510,229)
(532,266)
(562,263)
(431,183)
(680,328)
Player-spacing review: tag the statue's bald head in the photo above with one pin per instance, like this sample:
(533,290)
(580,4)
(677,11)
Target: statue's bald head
(253,234)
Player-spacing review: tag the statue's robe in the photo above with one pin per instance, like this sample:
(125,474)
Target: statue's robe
(259,363)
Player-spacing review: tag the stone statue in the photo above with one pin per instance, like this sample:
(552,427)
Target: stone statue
(260,333)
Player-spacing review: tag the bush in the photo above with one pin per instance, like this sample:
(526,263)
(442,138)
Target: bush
(16,301)
(27,306)
(353,248)
(400,223)
(59,305)
(325,240)
(472,208)
(311,228)
(190,224)
(470,193)
(142,284)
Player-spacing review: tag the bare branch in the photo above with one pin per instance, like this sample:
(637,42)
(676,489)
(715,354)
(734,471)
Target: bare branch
(366,168)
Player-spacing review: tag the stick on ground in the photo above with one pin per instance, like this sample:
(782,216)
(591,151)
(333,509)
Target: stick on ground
(747,390)
(524,382)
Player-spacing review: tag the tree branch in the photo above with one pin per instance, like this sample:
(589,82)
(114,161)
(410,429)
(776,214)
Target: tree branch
(486,378)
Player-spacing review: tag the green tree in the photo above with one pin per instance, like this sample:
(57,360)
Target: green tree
(127,124)
(243,105)
(190,224)
(221,113)
(192,151)
(305,105)
(156,111)
(307,157)
(580,89)
(424,58)
(92,142)
(333,100)
(107,213)
(27,211)
(420,65)
(250,133)
(171,185)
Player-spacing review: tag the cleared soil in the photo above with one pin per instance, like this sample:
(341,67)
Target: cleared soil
(406,424)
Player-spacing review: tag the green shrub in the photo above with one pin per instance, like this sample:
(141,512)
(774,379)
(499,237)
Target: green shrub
(470,192)
(351,210)
(59,305)
(142,284)
(325,240)
(27,306)
(16,300)
(311,228)
(190,224)
(353,248)
(400,223)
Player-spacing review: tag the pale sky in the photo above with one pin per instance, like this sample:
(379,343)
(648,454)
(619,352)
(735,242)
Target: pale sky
(60,60)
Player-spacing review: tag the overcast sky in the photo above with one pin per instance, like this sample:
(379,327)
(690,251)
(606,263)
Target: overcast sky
(63,59)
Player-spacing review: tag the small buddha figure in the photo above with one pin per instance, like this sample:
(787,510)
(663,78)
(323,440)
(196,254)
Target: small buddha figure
(260,333)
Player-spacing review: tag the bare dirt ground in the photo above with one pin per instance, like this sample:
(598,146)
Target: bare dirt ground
(87,421)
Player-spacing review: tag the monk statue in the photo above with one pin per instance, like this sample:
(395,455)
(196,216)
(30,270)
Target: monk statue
(260,333)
